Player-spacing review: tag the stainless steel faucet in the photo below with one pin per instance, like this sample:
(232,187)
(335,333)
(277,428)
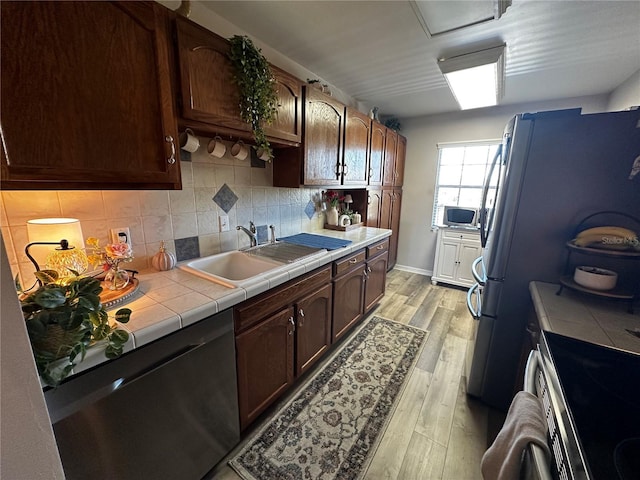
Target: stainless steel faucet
(251,232)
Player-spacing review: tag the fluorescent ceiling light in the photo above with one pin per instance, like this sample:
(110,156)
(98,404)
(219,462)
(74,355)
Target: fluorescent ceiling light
(475,79)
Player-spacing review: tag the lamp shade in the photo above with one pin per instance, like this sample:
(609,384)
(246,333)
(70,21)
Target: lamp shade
(53,230)
(476,78)
(348,198)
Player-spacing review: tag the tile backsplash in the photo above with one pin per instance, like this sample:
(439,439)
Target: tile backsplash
(154,216)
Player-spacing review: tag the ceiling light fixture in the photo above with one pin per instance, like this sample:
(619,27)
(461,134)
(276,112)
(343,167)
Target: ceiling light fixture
(476,79)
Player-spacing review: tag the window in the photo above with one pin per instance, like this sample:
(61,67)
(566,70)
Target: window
(462,168)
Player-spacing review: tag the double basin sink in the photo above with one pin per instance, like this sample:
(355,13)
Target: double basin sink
(241,267)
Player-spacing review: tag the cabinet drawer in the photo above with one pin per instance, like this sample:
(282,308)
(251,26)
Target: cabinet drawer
(345,264)
(461,234)
(377,248)
(251,311)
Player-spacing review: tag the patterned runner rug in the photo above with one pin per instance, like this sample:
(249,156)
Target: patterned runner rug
(331,427)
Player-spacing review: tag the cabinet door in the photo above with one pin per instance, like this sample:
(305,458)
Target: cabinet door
(467,254)
(313,328)
(385,209)
(324,127)
(376,155)
(395,226)
(401,153)
(265,364)
(356,148)
(86,96)
(390,150)
(376,269)
(208,92)
(374,208)
(288,122)
(447,261)
(348,301)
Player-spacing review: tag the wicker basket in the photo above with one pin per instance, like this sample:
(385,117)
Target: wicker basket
(58,341)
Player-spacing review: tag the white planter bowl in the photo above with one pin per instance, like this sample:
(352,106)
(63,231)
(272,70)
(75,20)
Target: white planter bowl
(595,278)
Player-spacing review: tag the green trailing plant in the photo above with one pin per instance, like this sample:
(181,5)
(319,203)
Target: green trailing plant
(65,316)
(257,88)
(393,123)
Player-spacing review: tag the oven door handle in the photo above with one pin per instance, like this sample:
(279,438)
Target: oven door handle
(539,460)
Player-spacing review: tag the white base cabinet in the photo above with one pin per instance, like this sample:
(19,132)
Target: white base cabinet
(456,249)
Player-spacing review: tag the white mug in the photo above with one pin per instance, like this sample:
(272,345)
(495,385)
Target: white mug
(189,141)
(240,150)
(263,155)
(216,148)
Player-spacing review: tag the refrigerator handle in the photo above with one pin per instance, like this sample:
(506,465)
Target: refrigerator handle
(485,223)
(475,313)
(479,277)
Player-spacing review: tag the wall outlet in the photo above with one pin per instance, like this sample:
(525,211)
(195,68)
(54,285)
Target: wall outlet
(224,223)
(121,235)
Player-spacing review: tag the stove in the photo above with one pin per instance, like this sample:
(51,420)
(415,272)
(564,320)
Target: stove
(595,395)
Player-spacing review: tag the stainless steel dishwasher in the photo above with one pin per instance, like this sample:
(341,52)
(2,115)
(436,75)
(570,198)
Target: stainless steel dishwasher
(167,410)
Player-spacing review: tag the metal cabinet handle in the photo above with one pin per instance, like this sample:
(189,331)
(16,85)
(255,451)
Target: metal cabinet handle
(337,171)
(353,260)
(293,326)
(172,159)
(379,247)
(368,269)
(345,169)
(301,315)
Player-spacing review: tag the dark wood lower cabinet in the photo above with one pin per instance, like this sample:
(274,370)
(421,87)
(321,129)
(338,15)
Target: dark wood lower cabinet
(376,269)
(265,364)
(348,300)
(313,328)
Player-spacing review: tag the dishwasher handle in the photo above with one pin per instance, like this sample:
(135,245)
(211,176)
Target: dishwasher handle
(154,366)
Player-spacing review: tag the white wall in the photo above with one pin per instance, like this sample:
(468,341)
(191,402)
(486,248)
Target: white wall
(626,95)
(416,246)
(26,438)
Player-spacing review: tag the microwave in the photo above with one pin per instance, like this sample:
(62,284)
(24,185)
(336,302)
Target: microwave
(460,216)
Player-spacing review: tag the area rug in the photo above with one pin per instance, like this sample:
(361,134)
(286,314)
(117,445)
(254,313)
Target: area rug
(330,429)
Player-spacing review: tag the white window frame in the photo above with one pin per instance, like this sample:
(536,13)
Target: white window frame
(438,207)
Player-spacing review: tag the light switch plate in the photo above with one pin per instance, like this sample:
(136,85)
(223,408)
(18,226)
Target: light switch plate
(121,235)
(224,223)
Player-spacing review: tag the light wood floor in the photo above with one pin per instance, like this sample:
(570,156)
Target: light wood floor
(436,431)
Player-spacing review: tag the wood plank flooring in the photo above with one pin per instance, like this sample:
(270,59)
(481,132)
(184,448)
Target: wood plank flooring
(436,431)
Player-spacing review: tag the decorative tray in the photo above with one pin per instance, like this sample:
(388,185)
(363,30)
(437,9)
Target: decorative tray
(111,298)
(343,229)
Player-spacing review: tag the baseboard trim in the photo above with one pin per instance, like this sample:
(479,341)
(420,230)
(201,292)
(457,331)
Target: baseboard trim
(419,271)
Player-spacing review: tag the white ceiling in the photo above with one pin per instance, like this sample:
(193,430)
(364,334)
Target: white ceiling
(378,52)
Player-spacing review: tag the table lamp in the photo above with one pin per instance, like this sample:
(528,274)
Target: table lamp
(66,235)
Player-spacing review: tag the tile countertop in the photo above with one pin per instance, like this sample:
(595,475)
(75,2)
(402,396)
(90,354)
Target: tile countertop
(168,301)
(589,318)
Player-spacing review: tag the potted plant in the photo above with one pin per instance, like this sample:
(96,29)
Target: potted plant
(256,84)
(65,316)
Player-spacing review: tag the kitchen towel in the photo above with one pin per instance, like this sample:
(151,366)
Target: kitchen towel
(317,241)
(525,423)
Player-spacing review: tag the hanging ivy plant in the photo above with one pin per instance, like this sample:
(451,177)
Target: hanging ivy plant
(256,84)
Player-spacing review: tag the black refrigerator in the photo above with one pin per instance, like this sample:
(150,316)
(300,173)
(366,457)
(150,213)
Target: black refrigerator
(552,171)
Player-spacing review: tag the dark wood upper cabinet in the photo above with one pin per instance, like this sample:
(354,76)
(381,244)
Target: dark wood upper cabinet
(376,156)
(86,96)
(390,150)
(324,129)
(288,122)
(209,99)
(355,169)
(208,92)
(401,152)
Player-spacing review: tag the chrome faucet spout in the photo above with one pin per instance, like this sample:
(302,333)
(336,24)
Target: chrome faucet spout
(251,232)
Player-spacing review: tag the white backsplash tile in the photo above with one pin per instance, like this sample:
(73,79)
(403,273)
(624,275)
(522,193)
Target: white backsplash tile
(156,215)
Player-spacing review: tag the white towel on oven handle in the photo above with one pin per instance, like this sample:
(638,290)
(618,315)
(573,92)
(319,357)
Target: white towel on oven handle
(525,423)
